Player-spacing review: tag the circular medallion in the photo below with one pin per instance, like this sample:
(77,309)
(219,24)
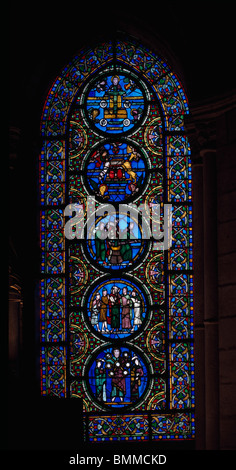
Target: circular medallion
(115,103)
(117,308)
(116,240)
(115,171)
(117,377)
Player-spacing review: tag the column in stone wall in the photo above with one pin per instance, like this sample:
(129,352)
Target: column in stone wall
(211,300)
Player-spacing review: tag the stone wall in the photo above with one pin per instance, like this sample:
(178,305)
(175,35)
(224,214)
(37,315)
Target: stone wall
(212,137)
(226,230)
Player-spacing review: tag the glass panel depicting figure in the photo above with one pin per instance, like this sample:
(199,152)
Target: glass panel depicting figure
(116,171)
(117,240)
(114,103)
(117,307)
(118,377)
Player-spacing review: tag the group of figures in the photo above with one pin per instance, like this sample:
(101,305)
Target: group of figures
(116,241)
(114,252)
(115,171)
(118,312)
(118,376)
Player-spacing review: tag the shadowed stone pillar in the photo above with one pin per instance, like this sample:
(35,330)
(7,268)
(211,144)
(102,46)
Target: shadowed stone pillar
(198,239)
(211,300)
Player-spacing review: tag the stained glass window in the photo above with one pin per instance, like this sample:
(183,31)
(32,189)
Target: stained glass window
(116,301)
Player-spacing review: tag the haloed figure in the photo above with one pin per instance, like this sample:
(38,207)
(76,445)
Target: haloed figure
(95,310)
(137,310)
(100,244)
(118,377)
(115,308)
(125,313)
(136,374)
(100,380)
(103,311)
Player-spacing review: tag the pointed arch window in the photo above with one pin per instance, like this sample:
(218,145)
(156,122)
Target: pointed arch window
(116,309)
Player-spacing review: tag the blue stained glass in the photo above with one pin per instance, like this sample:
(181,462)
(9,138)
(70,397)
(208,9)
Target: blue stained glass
(115,171)
(113,128)
(116,241)
(115,104)
(117,308)
(118,377)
